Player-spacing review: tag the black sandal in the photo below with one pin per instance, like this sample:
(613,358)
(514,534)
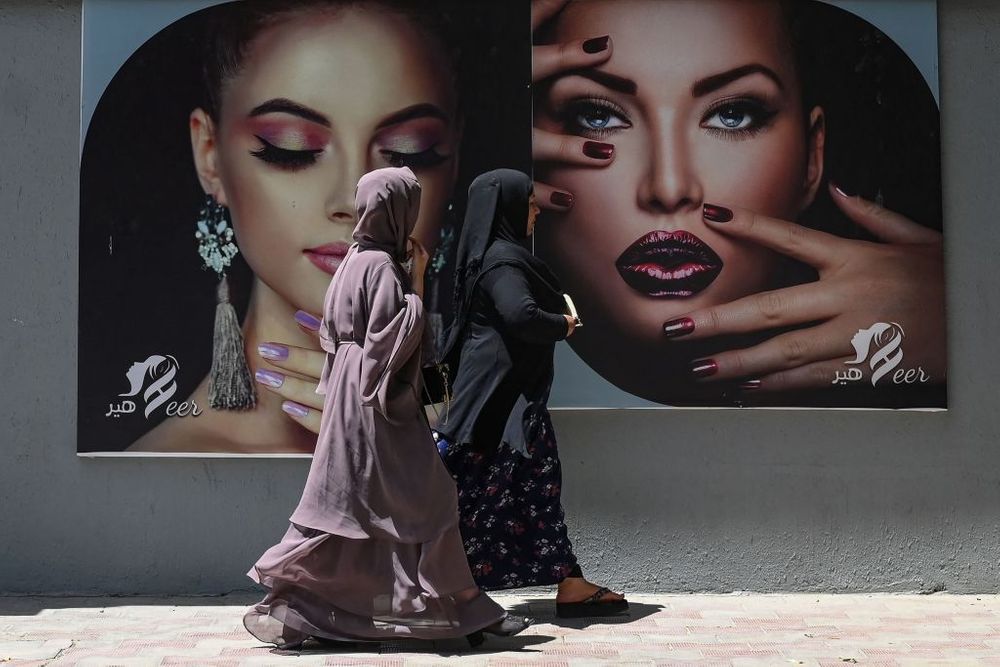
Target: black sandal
(592,606)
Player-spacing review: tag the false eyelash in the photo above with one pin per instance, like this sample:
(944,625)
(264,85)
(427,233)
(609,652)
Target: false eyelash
(423,159)
(284,158)
(761,113)
(574,108)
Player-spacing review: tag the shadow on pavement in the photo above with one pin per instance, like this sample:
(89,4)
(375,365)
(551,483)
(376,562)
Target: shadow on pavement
(543,610)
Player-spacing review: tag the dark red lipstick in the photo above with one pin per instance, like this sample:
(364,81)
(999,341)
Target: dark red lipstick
(669,265)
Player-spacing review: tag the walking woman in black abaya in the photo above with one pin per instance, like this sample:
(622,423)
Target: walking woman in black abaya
(496,436)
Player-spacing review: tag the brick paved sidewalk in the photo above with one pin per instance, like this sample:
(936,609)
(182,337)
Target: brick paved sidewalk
(739,629)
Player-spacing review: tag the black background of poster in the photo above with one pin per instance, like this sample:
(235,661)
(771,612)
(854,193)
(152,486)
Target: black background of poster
(142,289)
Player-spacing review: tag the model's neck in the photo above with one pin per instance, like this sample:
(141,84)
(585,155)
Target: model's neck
(269,319)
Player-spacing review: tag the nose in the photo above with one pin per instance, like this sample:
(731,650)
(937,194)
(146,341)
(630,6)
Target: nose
(350,165)
(670,184)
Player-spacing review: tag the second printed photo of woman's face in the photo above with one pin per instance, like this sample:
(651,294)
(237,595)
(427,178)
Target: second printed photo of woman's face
(702,102)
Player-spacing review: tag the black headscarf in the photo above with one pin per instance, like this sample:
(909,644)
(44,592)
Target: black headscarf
(495,233)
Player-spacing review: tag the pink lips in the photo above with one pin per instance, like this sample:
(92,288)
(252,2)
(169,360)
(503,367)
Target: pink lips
(670,265)
(327,257)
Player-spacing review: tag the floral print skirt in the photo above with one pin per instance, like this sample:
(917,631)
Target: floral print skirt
(512,520)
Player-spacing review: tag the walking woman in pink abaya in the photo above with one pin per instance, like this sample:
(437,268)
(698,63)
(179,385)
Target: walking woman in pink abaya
(373,552)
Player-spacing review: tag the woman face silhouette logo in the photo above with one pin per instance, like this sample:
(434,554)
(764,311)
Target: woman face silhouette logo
(881,345)
(160,370)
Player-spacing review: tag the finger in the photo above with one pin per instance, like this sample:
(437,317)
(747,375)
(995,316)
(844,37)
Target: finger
(305,362)
(418,248)
(819,375)
(295,389)
(758,312)
(818,249)
(304,415)
(781,353)
(307,321)
(565,148)
(549,60)
(886,225)
(543,10)
(552,199)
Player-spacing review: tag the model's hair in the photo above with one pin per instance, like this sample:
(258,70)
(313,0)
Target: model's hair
(796,29)
(233,27)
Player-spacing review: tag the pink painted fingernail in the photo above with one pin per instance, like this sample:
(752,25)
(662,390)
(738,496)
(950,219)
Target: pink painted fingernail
(306,320)
(703,368)
(750,385)
(269,378)
(273,351)
(295,409)
(841,191)
(679,327)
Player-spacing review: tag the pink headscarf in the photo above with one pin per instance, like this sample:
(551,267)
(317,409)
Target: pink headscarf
(388,202)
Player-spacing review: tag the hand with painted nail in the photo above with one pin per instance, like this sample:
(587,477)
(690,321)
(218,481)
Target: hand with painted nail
(547,61)
(293,374)
(867,294)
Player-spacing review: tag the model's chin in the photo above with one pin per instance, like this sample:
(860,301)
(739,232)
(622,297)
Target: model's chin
(611,341)
(637,366)
(308,291)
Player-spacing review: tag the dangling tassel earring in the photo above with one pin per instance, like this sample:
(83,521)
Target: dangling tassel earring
(230,386)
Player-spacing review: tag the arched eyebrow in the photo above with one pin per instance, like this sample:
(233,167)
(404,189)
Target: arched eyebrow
(283,105)
(712,83)
(614,82)
(425,110)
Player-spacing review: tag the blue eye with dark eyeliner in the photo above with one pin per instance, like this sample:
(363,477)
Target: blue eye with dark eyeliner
(738,118)
(594,117)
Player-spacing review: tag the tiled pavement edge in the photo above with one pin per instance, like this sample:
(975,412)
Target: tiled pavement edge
(738,629)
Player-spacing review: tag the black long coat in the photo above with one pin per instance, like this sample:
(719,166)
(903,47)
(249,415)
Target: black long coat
(505,362)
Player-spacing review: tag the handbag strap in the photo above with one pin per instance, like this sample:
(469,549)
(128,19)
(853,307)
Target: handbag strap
(442,370)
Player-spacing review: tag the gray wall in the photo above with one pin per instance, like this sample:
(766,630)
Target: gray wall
(693,500)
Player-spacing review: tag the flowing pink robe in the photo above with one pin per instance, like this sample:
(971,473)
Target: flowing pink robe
(374,550)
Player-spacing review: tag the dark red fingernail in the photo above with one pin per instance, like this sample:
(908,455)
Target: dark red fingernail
(559,198)
(598,150)
(750,385)
(702,368)
(716,213)
(596,44)
(679,327)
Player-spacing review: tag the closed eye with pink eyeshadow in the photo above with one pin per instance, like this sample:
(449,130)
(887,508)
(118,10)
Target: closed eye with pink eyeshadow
(417,143)
(287,144)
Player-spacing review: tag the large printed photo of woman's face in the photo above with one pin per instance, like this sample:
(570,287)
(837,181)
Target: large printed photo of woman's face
(813,136)
(274,110)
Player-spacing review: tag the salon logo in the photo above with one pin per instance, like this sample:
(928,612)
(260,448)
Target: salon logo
(880,347)
(153,382)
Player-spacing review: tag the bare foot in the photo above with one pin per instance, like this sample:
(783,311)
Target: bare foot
(578,589)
